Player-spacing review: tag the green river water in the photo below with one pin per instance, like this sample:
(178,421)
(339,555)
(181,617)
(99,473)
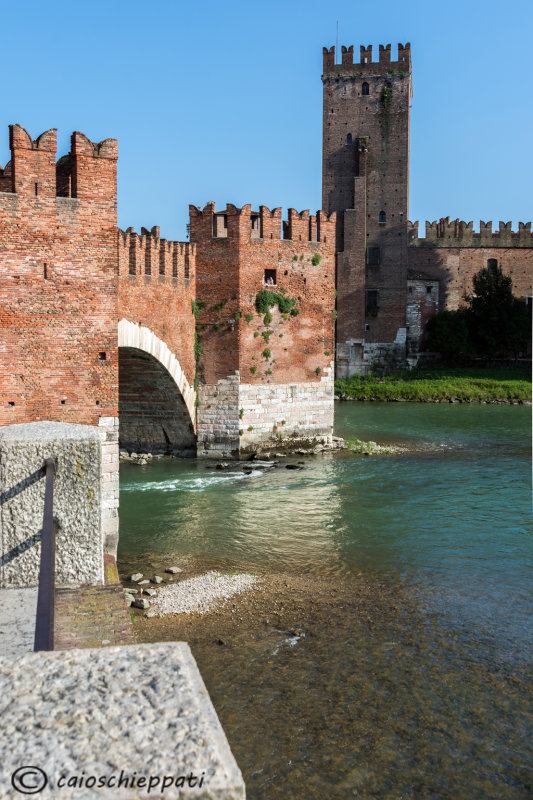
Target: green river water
(409,676)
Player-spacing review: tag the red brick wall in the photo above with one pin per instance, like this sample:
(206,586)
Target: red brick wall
(156,287)
(58,281)
(456,266)
(366,168)
(230,271)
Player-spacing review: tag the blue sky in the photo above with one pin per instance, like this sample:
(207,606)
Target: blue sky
(223,100)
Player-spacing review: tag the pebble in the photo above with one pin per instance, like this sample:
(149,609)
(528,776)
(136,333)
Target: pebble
(199,594)
(135,577)
(173,570)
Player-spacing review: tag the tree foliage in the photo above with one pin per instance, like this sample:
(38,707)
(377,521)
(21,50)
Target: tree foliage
(448,334)
(494,323)
(498,322)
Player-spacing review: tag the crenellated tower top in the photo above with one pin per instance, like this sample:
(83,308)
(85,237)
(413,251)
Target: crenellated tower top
(365,66)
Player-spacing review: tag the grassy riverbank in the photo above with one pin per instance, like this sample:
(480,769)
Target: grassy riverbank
(453,384)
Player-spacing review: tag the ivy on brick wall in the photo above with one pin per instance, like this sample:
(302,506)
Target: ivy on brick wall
(266,300)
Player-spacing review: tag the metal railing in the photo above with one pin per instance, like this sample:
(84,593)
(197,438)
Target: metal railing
(44,625)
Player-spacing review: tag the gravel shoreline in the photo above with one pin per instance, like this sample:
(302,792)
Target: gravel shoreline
(199,594)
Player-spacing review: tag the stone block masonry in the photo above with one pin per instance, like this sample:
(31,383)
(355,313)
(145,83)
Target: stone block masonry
(81,498)
(238,419)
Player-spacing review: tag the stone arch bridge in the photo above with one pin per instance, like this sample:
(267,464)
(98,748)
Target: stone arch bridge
(156,395)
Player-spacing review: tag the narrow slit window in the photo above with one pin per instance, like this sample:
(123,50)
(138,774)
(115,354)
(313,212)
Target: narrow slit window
(372,298)
(349,139)
(373,256)
(365,89)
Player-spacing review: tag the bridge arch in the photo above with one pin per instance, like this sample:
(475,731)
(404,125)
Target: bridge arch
(156,402)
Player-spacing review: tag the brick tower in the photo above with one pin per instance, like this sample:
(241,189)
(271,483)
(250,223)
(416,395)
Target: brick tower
(365,180)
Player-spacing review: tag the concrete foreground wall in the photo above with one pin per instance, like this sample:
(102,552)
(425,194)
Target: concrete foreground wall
(81,500)
(237,418)
(103,723)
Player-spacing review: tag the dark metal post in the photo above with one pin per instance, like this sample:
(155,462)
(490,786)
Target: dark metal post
(44,628)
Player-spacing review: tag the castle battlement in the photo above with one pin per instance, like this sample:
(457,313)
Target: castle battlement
(457,233)
(147,254)
(87,172)
(238,223)
(365,65)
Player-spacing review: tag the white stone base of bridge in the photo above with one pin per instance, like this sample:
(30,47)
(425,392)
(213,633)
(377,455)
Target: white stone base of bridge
(237,419)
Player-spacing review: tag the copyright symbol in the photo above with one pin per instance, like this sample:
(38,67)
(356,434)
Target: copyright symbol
(29,780)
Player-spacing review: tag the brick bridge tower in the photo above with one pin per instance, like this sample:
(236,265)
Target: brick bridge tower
(365,180)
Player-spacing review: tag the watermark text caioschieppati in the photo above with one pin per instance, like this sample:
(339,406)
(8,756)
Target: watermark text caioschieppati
(32,780)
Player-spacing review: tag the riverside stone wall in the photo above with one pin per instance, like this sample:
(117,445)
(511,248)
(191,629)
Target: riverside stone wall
(236,419)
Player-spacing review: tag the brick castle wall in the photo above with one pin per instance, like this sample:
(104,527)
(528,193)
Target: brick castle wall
(157,281)
(365,174)
(365,180)
(237,253)
(58,281)
(156,287)
(452,253)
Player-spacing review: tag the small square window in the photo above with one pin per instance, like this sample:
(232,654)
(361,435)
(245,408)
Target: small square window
(269,278)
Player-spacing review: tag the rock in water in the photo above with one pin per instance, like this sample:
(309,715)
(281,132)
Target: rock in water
(136,577)
(140,602)
(173,570)
(157,579)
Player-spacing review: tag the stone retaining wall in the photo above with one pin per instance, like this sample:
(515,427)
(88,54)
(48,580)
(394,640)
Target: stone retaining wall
(235,419)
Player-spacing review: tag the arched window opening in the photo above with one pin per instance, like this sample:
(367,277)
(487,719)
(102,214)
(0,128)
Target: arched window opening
(382,217)
(365,88)
(349,139)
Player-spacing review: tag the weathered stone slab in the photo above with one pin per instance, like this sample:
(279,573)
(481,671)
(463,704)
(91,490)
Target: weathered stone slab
(77,450)
(139,712)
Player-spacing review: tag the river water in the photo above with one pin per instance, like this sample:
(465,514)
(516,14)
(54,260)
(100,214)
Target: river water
(392,656)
